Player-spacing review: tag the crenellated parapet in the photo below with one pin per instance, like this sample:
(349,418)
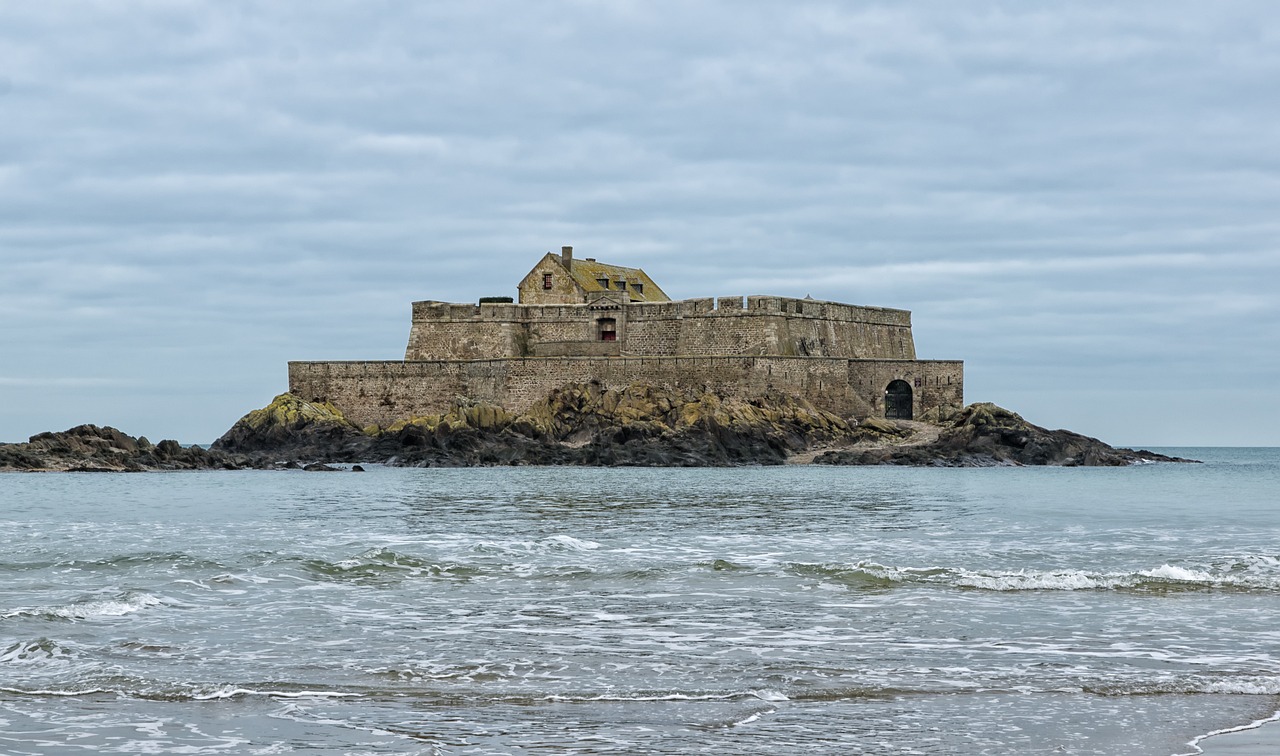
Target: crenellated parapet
(730,325)
(582,320)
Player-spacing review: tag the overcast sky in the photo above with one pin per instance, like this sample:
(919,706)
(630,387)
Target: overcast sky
(1081,200)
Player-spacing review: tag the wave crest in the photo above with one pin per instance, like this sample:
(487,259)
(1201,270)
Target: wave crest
(1162,579)
(90,608)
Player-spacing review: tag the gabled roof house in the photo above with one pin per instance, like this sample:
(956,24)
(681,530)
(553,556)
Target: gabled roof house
(560,279)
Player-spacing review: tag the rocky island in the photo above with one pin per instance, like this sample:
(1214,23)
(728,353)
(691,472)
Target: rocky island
(595,365)
(584,424)
(646,425)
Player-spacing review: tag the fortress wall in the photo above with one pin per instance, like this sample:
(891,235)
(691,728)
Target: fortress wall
(823,381)
(550,330)
(462,340)
(768,325)
(935,383)
(804,335)
(729,331)
(384,392)
(756,325)
(442,331)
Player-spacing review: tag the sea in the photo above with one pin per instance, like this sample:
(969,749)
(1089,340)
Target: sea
(756,610)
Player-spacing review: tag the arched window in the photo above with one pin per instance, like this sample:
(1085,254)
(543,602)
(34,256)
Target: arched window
(897,401)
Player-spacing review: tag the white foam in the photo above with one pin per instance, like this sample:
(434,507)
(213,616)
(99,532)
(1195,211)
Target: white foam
(769,695)
(550,543)
(1256,687)
(570,542)
(229,691)
(1197,740)
(65,693)
(752,717)
(1170,572)
(772,696)
(88,610)
(1059,580)
(33,652)
(1073,580)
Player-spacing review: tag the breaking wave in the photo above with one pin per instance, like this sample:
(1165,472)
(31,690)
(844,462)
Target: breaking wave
(34,651)
(90,608)
(551,544)
(381,564)
(1165,578)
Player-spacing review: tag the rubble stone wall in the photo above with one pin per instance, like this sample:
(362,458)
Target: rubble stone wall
(756,325)
(382,393)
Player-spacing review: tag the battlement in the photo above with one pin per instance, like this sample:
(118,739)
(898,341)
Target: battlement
(581,320)
(728,325)
(755,304)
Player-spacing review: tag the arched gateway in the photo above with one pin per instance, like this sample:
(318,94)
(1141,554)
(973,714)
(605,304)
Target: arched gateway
(897,401)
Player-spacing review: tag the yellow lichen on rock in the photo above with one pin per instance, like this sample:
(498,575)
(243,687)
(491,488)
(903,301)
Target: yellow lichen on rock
(289,411)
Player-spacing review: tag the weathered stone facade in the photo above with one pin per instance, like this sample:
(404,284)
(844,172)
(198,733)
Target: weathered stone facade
(841,357)
(564,280)
(725,326)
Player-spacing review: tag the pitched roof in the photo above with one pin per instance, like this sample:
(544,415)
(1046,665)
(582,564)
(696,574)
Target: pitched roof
(589,273)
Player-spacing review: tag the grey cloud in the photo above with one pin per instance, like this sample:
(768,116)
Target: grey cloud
(1076,198)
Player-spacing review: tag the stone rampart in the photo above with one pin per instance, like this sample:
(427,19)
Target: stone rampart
(383,392)
(733,325)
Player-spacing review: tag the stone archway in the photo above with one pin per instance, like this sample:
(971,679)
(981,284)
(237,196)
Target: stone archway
(898,401)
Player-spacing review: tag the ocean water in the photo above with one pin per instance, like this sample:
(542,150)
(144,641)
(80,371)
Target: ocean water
(551,610)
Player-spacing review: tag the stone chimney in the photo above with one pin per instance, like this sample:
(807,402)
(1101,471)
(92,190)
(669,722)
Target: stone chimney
(566,256)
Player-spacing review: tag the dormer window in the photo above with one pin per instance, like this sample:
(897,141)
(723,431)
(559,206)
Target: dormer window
(620,285)
(638,287)
(604,283)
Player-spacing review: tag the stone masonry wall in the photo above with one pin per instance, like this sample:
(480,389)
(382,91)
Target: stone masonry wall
(384,392)
(726,326)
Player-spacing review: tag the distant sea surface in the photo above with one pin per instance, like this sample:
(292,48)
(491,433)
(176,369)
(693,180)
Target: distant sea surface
(799,609)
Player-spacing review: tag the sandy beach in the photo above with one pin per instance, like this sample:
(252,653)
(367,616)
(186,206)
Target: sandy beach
(1261,738)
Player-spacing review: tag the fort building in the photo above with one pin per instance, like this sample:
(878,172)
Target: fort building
(587,321)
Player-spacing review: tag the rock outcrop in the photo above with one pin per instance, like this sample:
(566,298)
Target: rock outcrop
(89,448)
(578,424)
(583,424)
(291,429)
(980,435)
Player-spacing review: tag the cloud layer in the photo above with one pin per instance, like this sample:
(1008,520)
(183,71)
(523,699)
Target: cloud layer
(1079,200)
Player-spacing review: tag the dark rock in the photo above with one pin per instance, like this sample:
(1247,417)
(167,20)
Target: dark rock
(644,425)
(319,467)
(985,435)
(292,428)
(578,424)
(89,448)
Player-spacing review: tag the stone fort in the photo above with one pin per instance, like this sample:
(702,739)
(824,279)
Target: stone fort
(579,321)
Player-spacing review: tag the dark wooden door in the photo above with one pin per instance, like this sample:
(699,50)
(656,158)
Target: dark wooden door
(897,401)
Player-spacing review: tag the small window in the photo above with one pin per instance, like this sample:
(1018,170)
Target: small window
(546,280)
(608,329)
(604,282)
(639,287)
(620,285)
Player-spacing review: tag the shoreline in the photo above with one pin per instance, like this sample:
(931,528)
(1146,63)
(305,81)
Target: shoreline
(1253,739)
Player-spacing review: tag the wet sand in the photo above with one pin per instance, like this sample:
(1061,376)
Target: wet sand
(1261,738)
